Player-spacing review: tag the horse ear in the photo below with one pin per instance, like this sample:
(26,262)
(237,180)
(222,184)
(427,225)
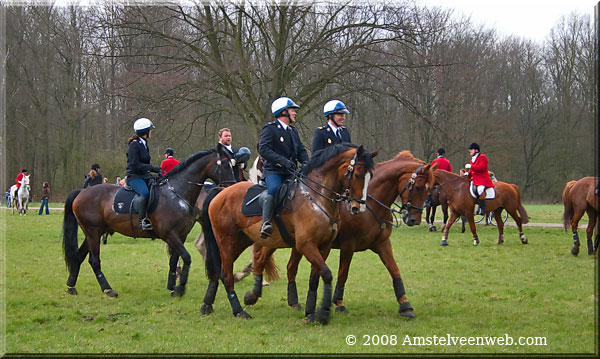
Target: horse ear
(434,167)
(375,153)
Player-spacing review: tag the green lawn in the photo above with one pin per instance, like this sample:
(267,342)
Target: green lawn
(531,291)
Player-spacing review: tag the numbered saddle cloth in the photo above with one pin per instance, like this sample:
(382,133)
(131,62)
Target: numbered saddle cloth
(125,200)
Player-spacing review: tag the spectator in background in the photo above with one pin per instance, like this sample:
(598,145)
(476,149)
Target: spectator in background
(45,198)
(169,162)
(94,177)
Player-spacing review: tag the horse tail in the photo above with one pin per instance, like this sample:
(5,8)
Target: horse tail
(522,212)
(70,226)
(213,254)
(568,204)
(271,269)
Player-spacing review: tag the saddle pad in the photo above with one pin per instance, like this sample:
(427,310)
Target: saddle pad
(253,200)
(124,203)
(490,192)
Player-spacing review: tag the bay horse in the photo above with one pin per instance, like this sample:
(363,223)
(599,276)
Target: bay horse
(403,176)
(579,197)
(461,203)
(311,217)
(438,198)
(173,218)
(21,201)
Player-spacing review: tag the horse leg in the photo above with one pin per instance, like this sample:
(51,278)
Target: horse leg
(432,218)
(229,253)
(82,252)
(346,254)
(518,221)
(447,228)
(311,295)
(500,224)
(173,260)
(384,250)
(317,258)
(473,228)
(597,240)
(180,251)
(93,240)
(589,231)
(577,214)
(292,270)
(259,258)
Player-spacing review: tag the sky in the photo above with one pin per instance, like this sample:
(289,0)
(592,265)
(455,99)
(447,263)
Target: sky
(531,19)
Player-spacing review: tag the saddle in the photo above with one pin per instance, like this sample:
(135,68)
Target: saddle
(126,199)
(488,193)
(253,203)
(254,198)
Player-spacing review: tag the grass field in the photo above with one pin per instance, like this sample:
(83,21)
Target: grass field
(511,291)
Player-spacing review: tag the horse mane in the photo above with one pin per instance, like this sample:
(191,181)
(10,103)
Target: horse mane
(407,154)
(188,161)
(320,157)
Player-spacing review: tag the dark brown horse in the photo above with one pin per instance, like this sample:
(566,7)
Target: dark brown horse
(311,217)
(405,177)
(578,198)
(461,203)
(438,198)
(173,218)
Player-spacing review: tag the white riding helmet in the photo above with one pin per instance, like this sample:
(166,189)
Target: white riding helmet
(281,104)
(334,106)
(142,125)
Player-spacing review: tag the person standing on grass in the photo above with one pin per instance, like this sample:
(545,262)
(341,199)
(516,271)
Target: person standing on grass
(45,198)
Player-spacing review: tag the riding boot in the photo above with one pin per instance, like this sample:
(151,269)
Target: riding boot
(145,223)
(267,213)
(481,204)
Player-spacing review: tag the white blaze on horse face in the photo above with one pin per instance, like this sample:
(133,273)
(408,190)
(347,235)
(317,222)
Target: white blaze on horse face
(363,206)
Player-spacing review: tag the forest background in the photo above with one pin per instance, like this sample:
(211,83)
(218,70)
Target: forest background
(413,77)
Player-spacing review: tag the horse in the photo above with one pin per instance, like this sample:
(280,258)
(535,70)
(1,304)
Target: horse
(403,176)
(337,173)
(173,218)
(579,197)
(461,203)
(438,198)
(21,201)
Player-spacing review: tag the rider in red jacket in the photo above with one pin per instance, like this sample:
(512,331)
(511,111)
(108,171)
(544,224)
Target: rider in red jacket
(479,173)
(19,179)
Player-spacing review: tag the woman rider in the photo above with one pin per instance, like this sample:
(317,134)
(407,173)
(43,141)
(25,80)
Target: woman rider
(139,167)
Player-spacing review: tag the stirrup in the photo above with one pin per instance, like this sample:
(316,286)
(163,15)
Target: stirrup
(145,224)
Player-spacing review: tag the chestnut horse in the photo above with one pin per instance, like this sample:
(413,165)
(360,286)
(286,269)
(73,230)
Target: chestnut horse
(173,218)
(403,176)
(438,198)
(508,197)
(578,197)
(337,173)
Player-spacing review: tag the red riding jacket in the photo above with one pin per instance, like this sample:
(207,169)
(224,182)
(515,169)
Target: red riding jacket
(479,171)
(167,165)
(19,179)
(443,164)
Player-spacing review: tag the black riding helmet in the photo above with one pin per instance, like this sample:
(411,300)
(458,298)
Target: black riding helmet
(169,151)
(441,151)
(474,146)
(95,166)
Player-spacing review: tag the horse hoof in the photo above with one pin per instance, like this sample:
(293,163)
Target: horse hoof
(72,291)
(179,291)
(406,310)
(575,251)
(296,306)
(265,283)
(250,298)
(243,315)
(239,276)
(323,315)
(500,241)
(310,318)
(475,242)
(111,293)
(444,243)
(524,240)
(341,309)
(206,309)
(432,229)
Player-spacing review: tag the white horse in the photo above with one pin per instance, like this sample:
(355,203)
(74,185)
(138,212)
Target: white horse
(21,202)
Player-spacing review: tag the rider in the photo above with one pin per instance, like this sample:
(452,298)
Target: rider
(480,175)
(169,162)
(19,179)
(333,132)
(280,146)
(139,167)
(443,164)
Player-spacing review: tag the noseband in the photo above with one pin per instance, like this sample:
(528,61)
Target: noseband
(410,186)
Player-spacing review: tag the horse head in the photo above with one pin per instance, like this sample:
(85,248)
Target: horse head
(413,191)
